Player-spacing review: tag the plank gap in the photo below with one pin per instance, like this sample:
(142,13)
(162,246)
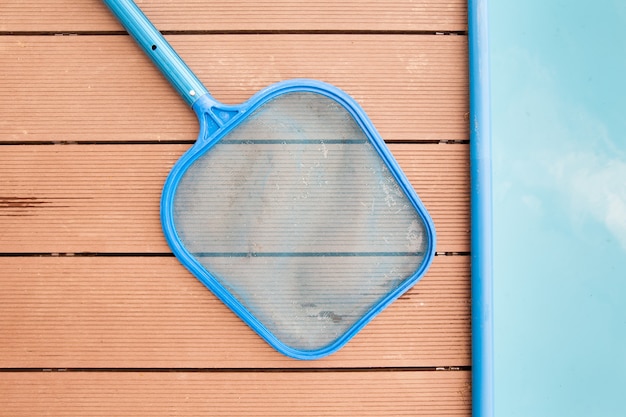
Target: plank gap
(86,254)
(133,254)
(248,370)
(247,32)
(99,142)
(193,141)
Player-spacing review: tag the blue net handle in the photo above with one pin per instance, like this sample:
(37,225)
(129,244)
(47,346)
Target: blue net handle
(158,49)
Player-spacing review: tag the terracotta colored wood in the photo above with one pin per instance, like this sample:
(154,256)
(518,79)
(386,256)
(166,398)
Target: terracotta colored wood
(149,312)
(105,198)
(272,15)
(133,312)
(409,393)
(103,88)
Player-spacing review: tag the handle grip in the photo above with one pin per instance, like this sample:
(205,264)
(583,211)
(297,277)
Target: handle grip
(158,49)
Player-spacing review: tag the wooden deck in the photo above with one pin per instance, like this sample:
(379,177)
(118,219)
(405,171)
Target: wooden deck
(98,318)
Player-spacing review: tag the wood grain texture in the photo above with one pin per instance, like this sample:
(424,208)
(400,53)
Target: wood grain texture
(235,394)
(105,198)
(246,15)
(149,312)
(137,333)
(103,88)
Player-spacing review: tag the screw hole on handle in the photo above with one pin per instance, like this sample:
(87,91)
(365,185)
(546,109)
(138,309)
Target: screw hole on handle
(154,47)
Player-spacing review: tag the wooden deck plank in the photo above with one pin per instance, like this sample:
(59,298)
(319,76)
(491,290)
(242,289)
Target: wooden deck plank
(246,15)
(408,393)
(105,198)
(103,88)
(149,312)
(134,307)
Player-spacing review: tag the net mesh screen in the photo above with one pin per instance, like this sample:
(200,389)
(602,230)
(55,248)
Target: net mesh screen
(298,217)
